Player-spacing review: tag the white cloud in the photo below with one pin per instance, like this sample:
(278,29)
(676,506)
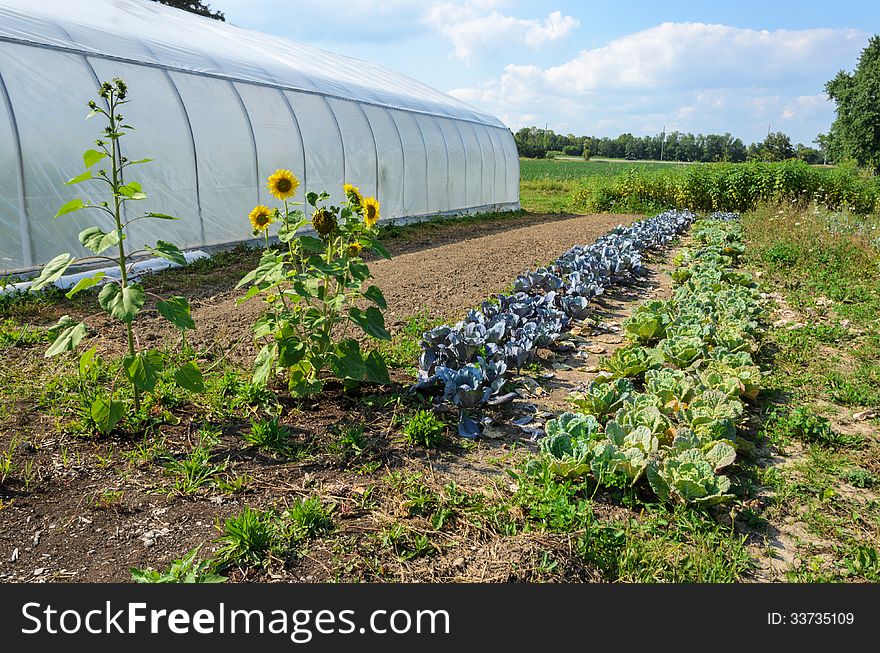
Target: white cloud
(701,77)
(471,27)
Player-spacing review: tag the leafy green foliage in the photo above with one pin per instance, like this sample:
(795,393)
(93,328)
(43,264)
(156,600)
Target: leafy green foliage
(255,538)
(858,117)
(631,361)
(648,322)
(424,429)
(725,187)
(121,298)
(680,431)
(603,397)
(270,436)
(184,570)
(311,288)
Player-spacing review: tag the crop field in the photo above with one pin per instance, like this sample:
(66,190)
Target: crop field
(546,185)
(646,187)
(541,396)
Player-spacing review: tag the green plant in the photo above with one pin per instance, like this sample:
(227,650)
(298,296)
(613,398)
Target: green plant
(184,570)
(249,538)
(108,499)
(7,466)
(270,436)
(406,543)
(255,537)
(195,470)
(631,361)
(424,429)
(311,288)
(648,322)
(602,399)
(803,424)
(688,474)
(350,441)
(306,519)
(120,297)
(864,563)
(13,334)
(860,477)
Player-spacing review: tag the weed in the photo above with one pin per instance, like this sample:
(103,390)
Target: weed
(864,562)
(306,519)
(349,442)
(424,429)
(255,538)
(249,538)
(7,466)
(184,570)
(802,424)
(108,499)
(270,436)
(195,470)
(13,334)
(406,543)
(859,477)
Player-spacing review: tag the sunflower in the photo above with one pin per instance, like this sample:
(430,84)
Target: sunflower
(354,249)
(261,217)
(353,194)
(283,184)
(324,222)
(371,211)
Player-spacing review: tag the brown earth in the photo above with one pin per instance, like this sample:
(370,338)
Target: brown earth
(86,509)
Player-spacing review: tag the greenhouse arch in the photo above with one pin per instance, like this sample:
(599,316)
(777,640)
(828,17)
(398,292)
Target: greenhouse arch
(219,108)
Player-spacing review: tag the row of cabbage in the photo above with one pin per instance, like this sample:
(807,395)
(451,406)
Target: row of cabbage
(668,404)
(470,362)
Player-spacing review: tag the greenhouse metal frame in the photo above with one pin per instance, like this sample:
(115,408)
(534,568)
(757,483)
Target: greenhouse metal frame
(219,108)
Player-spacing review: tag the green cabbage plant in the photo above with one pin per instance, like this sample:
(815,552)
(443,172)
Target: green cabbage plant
(689,475)
(649,321)
(682,351)
(603,399)
(673,388)
(631,361)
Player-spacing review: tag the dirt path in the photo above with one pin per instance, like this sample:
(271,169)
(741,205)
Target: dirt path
(445,279)
(441,270)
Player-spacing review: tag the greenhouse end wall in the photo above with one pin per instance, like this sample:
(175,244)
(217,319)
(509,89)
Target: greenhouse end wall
(217,123)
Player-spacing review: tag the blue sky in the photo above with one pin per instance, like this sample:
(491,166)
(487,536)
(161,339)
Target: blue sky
(600,67)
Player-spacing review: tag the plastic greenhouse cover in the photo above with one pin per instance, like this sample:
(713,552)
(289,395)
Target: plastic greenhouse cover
(219,108)
(148,32)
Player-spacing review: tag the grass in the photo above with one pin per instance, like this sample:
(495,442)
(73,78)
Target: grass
(824,365)
(257,538)
(272,437)
(402,351)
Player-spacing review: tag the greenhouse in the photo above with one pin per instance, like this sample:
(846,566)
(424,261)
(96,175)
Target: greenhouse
(218,109)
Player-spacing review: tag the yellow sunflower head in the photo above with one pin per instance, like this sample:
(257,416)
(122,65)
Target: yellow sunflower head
(283,184)
(261,217)
(371,211)
(354,249)
(353,194)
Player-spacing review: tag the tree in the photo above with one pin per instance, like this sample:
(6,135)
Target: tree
(777,147)
(857,126)
(195,7)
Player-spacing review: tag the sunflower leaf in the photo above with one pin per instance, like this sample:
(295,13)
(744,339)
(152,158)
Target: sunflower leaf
(52,271)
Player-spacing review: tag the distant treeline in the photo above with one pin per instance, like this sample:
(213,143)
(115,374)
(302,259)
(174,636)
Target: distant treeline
(675,146)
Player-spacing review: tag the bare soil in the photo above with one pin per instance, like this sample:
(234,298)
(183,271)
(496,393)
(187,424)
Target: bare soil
(90,508)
